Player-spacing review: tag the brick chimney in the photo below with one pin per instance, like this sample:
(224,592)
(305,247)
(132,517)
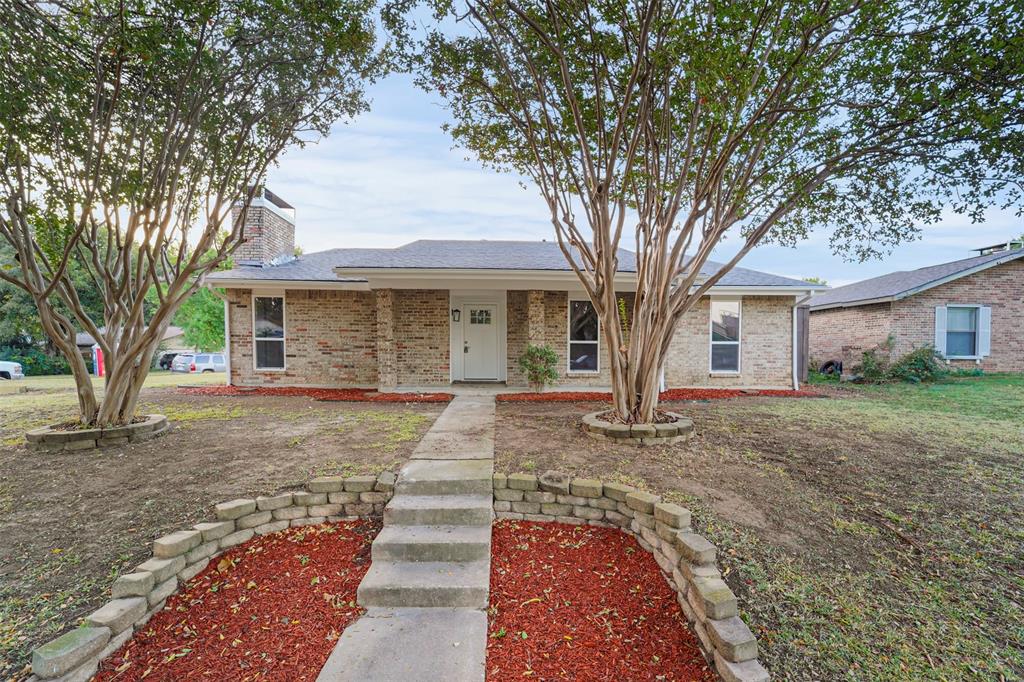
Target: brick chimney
(269,230)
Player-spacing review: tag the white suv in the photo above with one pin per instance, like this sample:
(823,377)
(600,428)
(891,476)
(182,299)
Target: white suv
(10,370)
(198,362)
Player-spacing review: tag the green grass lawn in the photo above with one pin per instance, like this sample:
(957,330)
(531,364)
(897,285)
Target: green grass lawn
(934,586)
(65,382)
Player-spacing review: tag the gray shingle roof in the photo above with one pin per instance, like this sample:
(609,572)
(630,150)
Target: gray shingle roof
(309,267)
(460,255)
(904,283)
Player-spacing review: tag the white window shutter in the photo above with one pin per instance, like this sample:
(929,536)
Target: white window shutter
(984,331)
(940,329)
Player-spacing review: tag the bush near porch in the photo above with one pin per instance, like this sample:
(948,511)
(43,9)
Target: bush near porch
(873,535)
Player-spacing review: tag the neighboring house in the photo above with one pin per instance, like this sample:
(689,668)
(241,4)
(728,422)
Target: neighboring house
(435,312)
(971,310)
(174,339)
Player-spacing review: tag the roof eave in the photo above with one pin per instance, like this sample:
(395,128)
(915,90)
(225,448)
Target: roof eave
(238,283)
(907,293)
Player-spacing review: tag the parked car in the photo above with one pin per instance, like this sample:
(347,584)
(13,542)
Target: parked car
(166,359)
(10,370)
(198,362)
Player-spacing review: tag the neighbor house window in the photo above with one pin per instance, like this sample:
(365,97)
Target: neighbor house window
(961,331)
(725,336)
(583,337)
(268,331)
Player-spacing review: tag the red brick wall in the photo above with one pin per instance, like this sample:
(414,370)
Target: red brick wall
(845,333)
(330,340)
(422,338)
(267,235)
(766,344)
(767,341)
(1000,288)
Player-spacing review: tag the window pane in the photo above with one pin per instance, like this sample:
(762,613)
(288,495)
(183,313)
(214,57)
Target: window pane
(583,357)
(582,321)
(960,343)
(203,359)
(269,317)
(961,319)
(725,357)
(270,354)
(725,321)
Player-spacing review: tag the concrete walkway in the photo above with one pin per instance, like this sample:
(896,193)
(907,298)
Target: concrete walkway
(426,590)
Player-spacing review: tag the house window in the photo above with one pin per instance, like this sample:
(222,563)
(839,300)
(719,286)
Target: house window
(268,331)
(584,331)
(725,336)
(961,331)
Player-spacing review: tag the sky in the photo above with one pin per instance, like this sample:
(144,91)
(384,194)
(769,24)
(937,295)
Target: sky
(392,176)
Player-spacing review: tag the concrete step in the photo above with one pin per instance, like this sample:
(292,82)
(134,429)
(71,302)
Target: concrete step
(439,510)
(427,583)
(432,543)
(446,477)
(428,645)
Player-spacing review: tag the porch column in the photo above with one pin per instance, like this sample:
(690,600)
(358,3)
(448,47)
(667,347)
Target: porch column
(387,366)
(535,318)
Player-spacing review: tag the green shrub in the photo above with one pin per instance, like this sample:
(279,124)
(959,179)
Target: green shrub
(540,364)
(874,366)
(920,364)
(35,362)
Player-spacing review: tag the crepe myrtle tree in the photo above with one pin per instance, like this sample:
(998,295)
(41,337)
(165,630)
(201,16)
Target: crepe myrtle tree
(128,129)
(663,126)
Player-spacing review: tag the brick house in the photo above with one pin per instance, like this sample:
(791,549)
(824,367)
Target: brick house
(431,313)
(971,310)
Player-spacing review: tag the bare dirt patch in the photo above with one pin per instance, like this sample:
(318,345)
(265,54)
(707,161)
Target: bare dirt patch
(71,522)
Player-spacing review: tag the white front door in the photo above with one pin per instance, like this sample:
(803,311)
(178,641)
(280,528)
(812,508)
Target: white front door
(480,342)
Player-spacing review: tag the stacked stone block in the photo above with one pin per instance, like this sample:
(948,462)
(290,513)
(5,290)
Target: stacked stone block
(182,555)
(48,438)
(686,559)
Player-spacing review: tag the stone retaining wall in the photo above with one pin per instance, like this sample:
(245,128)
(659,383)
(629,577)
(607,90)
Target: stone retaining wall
(687,560)
(53,439)
(667,433)
(182,555)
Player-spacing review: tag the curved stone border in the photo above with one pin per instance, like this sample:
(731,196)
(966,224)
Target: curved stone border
(638,434)
(687,560)
(182,555)
(52,439)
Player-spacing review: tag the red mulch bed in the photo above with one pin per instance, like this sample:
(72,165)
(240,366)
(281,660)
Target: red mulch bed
(345,395)
(665,396)
(270,609)
(583,603)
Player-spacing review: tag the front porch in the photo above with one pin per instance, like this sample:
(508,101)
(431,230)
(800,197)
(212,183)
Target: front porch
(472,339)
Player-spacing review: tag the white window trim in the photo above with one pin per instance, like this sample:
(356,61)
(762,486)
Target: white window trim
(977,331)
(284,339)
(569,341)
(738,343)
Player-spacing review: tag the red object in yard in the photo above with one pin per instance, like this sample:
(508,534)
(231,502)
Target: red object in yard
(270,609)
(97,361)
(192,367)
(583,603)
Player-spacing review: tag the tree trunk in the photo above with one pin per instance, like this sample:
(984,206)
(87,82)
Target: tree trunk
(635,364)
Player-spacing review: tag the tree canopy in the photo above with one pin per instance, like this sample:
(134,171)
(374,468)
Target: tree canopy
(665,126)
(128,129)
